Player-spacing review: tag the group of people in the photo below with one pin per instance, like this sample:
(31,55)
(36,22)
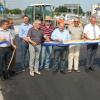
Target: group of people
(31,38)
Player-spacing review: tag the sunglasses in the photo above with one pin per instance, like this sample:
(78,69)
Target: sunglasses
(47,21)
(76,21)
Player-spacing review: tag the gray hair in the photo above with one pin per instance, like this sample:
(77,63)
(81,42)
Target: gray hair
(36,21)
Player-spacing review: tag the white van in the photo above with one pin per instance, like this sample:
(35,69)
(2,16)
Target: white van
(69,18)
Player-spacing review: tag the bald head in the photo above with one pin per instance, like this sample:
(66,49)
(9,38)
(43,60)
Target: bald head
(93,20)
(61,26)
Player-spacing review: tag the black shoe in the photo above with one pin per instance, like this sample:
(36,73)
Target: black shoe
(87,70)
(62,72)
(5,75)
(12,73)
(92,69)
(54,71)
(47,69)
(41,69)
(2,78)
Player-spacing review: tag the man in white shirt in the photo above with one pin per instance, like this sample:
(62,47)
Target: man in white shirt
(91,32)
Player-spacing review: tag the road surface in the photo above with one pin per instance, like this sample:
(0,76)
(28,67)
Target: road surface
(47,86)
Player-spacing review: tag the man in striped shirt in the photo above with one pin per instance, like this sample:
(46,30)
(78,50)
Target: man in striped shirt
(46,50)
(6,42)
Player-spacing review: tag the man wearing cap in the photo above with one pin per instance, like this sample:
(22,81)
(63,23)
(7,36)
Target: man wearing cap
(76,31)
(46,50)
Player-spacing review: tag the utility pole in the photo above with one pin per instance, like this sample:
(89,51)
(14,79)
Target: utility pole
(4,4)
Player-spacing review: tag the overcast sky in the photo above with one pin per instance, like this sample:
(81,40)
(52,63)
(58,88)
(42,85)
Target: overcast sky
(85,4)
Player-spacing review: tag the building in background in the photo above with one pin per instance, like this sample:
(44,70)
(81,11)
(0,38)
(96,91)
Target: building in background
(72,7)
(96,10)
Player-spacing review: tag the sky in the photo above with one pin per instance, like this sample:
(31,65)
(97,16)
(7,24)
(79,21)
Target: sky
(85,4)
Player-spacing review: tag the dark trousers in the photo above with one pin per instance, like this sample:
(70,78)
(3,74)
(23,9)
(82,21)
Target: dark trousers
(59,55)
(5,55)
(24,50)
(91,54)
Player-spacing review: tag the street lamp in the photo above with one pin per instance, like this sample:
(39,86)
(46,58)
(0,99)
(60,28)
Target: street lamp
(4,2)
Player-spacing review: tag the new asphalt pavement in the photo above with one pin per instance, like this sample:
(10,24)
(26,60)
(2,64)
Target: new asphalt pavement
(49,86)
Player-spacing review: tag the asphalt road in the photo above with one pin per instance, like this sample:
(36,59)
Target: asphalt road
(47,86)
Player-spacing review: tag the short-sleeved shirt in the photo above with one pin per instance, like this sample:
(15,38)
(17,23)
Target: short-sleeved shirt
(89,31)
(76,32)
(5,38)
(35,35)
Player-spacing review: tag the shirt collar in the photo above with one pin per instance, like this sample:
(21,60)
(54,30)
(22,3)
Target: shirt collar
(25,24)
(92,25)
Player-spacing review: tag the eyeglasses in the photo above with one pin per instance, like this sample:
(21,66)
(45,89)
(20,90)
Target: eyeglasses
(10,23)
(38,23)
(47,20)
(76,21)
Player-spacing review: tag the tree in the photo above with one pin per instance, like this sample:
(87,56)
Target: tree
(63,9)
(75,11)
(60,9)
(15,11)
(81,10)
(1,4)
(88,13)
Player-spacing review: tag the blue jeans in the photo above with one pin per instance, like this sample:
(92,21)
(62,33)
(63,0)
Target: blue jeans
(24,50)
(59,57)
(45,58)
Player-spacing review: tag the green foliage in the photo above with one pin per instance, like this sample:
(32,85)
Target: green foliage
(13,11)
(75,11)
(60,9)
(63,9)
(80,10)
(1,4)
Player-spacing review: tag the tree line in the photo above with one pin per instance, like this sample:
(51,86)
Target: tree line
(62,9)
(58,10)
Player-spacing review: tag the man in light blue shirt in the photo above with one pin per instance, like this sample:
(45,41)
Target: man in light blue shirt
(23,31)
(60,34)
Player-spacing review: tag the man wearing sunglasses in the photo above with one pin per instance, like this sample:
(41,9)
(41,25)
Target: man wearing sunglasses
(76,31)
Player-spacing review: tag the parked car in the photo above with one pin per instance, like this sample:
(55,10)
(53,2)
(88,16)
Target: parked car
(69,18)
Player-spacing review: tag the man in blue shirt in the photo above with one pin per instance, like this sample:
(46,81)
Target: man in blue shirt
(23,31)
(60,34)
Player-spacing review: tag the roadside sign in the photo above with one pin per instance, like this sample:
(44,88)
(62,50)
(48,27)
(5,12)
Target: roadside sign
(2,8)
